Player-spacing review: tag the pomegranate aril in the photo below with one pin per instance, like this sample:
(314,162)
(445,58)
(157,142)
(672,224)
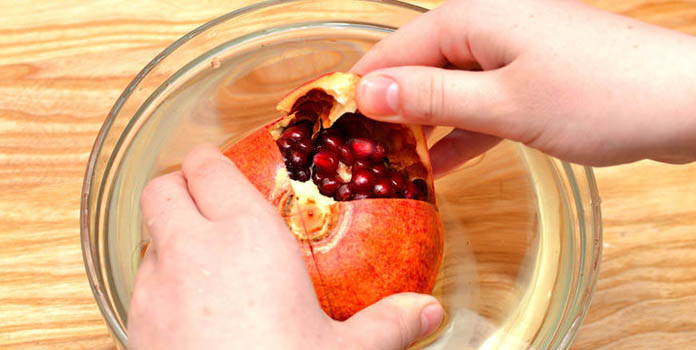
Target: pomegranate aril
(421,189)
(345,154)
(316,176)
(343,193)
(397,180)
(284,144)
(326,162)
(362,181)
(417,189)
(288,164)
(410,190)
(421,185)
(380,170)
(329,185)
(332,141)
(362,148)
(305,145)
(359,165)
(383,188)
(298,158)
(361,196)
(302,175)
(380,152)
(298,131)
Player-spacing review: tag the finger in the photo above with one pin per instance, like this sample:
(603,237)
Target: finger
(141,299)
(456,148)
(165,201)
(396,321)
(415,43)
(436,38)
(218,187)
(475,101)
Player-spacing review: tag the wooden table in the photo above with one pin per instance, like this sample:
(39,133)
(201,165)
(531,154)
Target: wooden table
(63,64)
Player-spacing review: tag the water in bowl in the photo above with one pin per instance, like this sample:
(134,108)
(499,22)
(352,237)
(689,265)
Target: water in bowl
(500,211)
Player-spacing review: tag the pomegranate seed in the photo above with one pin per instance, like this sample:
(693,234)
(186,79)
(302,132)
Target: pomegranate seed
(298,158)
(345,154)
(326,162)
(329,185)
(351,124)
(380,170)
(298,131)
(359,165)
(316,176)
(284,144)
(383,188)
(361,196)
(397,180)
(289,166)
(410,190)
(362,181)
(332,141)
(302,175)
(343,193)
(420,183)
(362,148)
(421,189)
(380,152)
(305,145)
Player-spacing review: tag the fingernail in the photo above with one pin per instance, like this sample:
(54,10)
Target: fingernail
(379,96)
(431,317)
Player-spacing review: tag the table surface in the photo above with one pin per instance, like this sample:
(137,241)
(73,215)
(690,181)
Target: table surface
(63,63)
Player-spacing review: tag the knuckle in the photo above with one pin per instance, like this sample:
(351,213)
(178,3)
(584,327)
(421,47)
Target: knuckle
(434,99)
(205,168)
(198,155)
(155,188)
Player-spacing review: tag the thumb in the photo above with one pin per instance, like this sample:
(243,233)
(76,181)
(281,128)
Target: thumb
(396,321)
(434,96)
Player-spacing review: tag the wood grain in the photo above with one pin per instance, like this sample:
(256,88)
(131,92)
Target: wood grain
(64,63)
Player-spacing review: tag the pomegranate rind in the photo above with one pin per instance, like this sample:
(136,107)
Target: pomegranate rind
(258,158)
(375,247)
(424,154)
(379,247)
(316,277)
(340,86)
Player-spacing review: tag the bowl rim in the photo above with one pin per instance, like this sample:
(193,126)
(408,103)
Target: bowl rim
(94,276)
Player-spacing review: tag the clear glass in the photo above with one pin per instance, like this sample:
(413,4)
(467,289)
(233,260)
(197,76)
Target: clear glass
(522,230)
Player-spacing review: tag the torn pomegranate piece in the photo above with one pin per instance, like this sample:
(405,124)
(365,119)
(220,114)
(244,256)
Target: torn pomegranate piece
(356,193)
(362,157)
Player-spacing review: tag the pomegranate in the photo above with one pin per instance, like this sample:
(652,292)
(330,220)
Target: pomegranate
(356,193)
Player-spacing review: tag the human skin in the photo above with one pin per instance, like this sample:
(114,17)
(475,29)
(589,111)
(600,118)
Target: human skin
(223,271)
(573,81)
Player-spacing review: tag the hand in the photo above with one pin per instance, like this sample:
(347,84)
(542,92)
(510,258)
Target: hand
(575,82)
(224,272)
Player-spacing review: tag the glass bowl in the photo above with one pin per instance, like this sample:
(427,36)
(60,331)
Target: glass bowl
(522,230)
